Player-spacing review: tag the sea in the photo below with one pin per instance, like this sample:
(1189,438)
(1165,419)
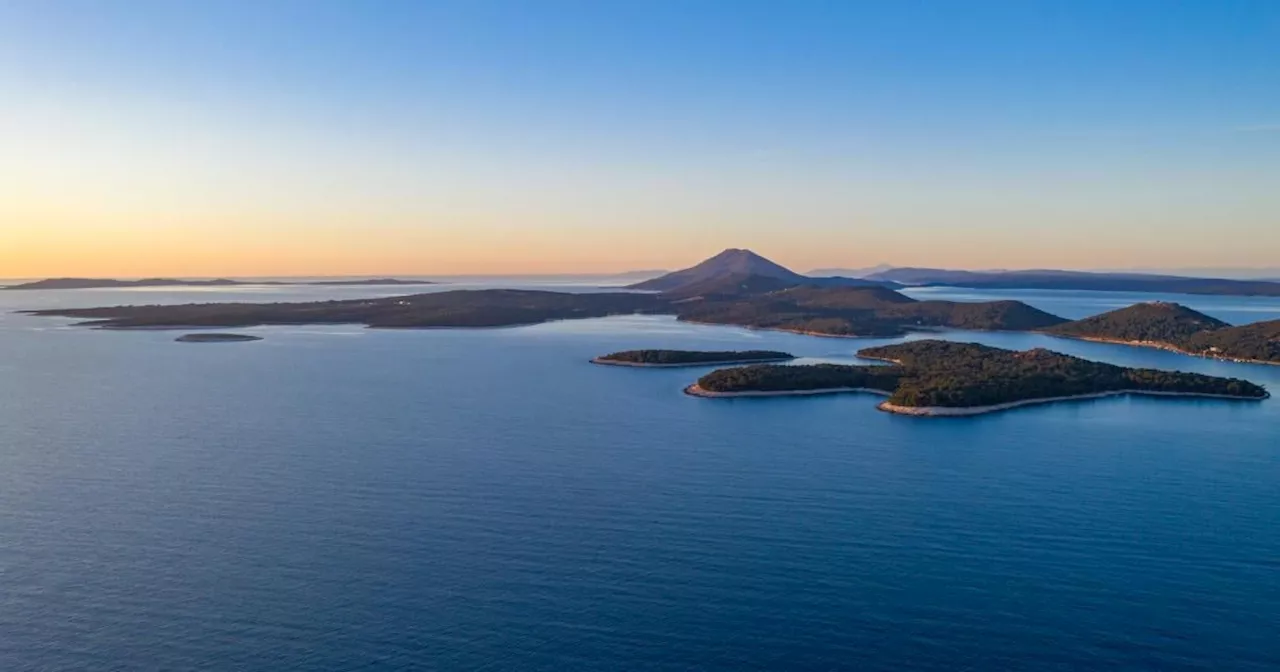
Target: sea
(340,498)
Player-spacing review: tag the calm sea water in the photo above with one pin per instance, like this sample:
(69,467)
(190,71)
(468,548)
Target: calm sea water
(334,498)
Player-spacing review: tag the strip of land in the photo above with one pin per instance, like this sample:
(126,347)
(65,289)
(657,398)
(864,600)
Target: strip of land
(687,358)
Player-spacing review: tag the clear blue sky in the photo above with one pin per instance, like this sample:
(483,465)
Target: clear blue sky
(443,137)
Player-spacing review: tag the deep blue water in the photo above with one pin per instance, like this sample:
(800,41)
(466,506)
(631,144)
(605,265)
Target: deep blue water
(334,498)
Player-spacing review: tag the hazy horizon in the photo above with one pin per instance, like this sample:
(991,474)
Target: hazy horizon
(292,138)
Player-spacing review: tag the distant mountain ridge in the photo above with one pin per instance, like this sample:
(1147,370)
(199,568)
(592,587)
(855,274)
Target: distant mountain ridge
(1077,280)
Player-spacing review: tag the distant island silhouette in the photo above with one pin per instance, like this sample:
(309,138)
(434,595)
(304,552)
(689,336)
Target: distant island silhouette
(107,283)
(737,288)
(217,338)
(1075,280)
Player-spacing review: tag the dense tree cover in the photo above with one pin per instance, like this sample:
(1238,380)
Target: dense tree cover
(1259,342)
(465,308)
(1179,327)
(1157,322)
(106,283)
(216,338)
(672,357)
(778,378)
(948,374)
(858,311)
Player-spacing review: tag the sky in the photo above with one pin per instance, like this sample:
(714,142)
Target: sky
(308,137)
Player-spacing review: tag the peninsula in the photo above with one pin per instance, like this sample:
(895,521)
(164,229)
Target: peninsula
(685,358)
(945,378)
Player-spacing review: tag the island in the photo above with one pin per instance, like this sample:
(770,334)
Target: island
(1174,327)
(946,378)
(109,283)
(685,358)
(461,308)
(217,338)
(734,288)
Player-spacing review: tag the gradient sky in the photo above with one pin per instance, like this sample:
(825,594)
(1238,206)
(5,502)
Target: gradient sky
(370,137)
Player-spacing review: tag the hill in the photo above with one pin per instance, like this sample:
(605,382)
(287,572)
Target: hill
(1077,280)
(1175,327)
(1154,322)
(737,263)
(1257,342)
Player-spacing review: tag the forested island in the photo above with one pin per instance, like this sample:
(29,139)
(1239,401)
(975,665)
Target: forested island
(932,377)
(1171,326)
(676,358)
(217,338)
(776,380)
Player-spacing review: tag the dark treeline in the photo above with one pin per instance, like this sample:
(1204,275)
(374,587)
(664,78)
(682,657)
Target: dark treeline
(671,357)
(782,378)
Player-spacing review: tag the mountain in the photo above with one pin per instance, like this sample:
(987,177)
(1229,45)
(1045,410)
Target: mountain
(1077,280)
(738,265)
(1154,322)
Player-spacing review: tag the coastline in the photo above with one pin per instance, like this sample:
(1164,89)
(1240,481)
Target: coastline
(695,391)
(963,411)
(1159,345)
(683,365)
(784,330)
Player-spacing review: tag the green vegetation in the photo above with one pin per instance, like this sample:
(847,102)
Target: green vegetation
(691,357)
(1258,342)
(944,374)
(782,378)
(947,374)
(1177,327)
(857,311)
(1157,322)
(217,338)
